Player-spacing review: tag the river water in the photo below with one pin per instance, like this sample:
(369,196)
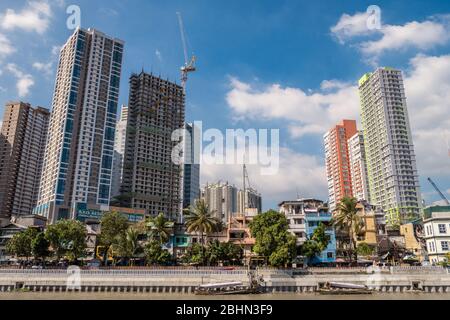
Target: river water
(167,296)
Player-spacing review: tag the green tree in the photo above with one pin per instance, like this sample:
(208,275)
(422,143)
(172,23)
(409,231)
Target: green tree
(200,219)
(128,246)
(310,249)
(67,238)
(159,228)
(113,226)
(273,240)
(364,249)
(224,252)
(194,254)
(20,245)
(155,254)
(40,246)
(317,243)
(348,220)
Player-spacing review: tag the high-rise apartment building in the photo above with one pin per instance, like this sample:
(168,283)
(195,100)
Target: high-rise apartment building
(222,199)
(152,168)
(338,161)
(78,160)
(391,161)
(22,142)
(358,167)
(191,170)
(119,150)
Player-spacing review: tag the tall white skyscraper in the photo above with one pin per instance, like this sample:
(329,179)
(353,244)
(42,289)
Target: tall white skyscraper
(78,160)
(119,150)
(391,161)
(358,167)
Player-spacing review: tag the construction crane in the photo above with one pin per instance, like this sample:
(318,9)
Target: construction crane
(189,65)
(439,191)
(248,203)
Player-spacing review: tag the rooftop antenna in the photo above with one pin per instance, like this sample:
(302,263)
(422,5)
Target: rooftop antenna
(189,65)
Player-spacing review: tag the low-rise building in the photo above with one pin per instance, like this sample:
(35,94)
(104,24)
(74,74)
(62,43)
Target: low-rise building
(18,224)
(415,244)
(313,218)
(304,216)
(239,233)
(374,222)
(437,232)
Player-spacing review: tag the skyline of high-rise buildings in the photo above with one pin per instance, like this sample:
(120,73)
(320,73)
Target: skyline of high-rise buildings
(22,142)
(376,164)
(87,149)
(77,168)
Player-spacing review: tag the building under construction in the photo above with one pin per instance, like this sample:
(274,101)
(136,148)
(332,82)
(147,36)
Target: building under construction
(151,180)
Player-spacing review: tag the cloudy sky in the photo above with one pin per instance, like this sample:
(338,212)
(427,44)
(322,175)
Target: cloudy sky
(289,65)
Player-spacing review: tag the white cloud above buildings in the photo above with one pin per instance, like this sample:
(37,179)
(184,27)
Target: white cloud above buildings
(305,112)
(24,81)
(34,17)
(298,172)
(372,43)
(427,85)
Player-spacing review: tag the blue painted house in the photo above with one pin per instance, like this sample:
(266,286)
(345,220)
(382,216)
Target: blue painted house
(313,217)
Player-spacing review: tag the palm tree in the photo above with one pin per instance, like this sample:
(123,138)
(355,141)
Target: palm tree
(159,228)
(199,219)
(128,246)
(347,219)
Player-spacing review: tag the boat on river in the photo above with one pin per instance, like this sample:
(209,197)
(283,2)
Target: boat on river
(233,287)
(344,288)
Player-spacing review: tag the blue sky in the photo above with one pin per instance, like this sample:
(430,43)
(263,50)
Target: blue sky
(291,65)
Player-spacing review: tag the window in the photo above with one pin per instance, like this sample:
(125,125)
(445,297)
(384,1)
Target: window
(329,255)
(444,245)
(442,228)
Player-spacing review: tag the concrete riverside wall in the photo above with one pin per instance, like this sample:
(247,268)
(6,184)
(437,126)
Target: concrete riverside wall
(185,281)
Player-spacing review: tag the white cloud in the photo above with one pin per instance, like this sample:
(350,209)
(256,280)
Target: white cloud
(301,172)
(45,68)
(350,26)
(420,35)
(6,48)
(306,113)
(427,87)
(424,35)
(56,50)
(34,17)
(24,81)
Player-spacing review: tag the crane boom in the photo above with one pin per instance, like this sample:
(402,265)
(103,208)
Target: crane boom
(439,191)
(189,65)
(183,37)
